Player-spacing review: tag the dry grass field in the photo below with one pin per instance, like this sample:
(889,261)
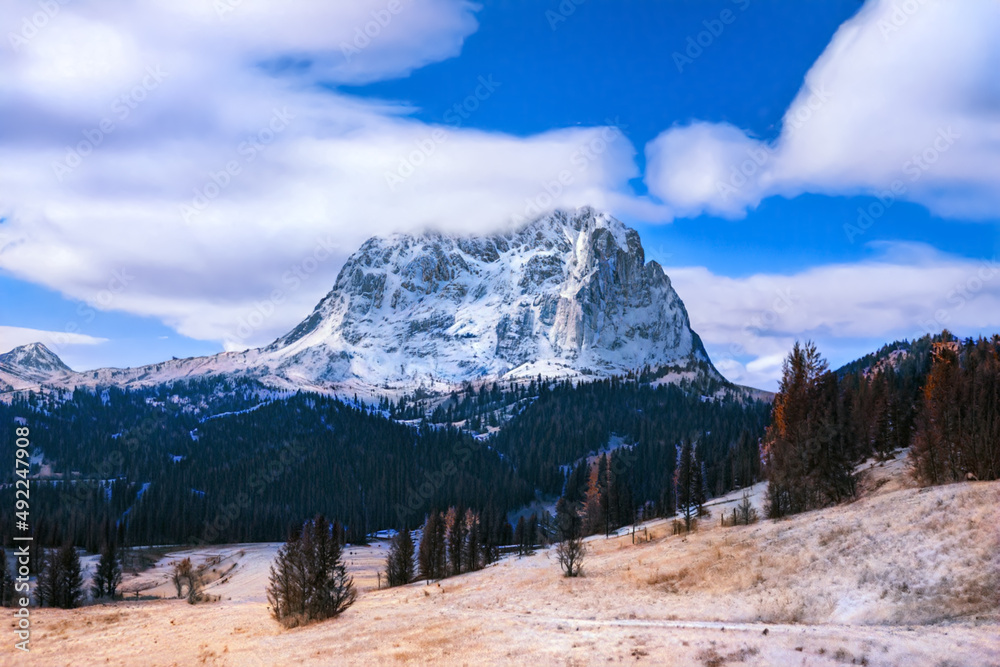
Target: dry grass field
(902,576)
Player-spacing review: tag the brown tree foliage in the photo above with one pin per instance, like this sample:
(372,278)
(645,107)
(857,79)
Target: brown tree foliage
(958,426)
(806,453)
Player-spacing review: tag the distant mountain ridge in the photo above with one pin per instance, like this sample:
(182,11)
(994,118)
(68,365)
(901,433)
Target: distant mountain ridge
(567,295)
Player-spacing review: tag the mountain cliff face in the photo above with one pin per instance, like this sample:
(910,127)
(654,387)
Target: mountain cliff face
(568,295)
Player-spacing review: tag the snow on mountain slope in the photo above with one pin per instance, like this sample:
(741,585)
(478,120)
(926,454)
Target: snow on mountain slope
(29,366)
(568,295)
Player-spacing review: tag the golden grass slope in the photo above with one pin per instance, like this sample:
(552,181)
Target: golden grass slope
(903,576)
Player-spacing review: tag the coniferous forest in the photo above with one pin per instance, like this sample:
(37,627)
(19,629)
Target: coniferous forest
(213,461)
(209,462)
(939,396)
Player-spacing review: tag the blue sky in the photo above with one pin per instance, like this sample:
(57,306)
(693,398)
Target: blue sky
(614,60)
(122,247)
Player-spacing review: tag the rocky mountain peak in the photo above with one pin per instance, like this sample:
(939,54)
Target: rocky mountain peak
(35,357)
(567,294)
(29,366)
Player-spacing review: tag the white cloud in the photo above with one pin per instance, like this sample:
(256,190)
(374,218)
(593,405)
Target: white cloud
(749,324)
(907,92)
(11,337)
(219,183)
(197,154)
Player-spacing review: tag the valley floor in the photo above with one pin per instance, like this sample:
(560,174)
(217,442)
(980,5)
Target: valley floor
(903,576)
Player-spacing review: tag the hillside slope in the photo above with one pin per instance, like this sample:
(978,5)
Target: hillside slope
(903,576)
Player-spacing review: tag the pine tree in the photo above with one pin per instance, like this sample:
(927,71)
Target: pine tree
(828,469)
(332,588)
(686,480)
(456,541)
(488,537)
(745,513)
(531,534)
(48,579)
(287,582)
(808,461)
(108,575)
(309,579)
(432,561)
(60,584)
(698,491)
(473,558)
(603,519)
(69,591)
(399,569)
(520,535)
(614,496)
(577,482)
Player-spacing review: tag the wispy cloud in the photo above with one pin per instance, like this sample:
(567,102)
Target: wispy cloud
(904,100)
(186,182)
(11,337)
(749,324)
(200,136)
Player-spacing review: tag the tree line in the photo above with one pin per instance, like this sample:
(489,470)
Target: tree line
(938,395)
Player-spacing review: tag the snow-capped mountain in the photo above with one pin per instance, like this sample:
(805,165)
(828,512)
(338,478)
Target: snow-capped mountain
(568,295)
(30,365)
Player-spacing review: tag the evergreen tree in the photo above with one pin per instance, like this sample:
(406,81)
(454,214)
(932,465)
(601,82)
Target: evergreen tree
(399,567)
(808,460)
(686,480)
(531,534)
(521,536)
(309,579)
(456,541)
(473,558)
(432,562)
(488,538)
(60,583)
(48,579)
(939,425)
(331,587)
(108,575)
(577,482)
(72,593)
(603,519)
(958,427)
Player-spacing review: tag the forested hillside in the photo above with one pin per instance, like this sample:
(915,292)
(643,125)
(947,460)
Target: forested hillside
(566,423)
(939,396)
(175,477)
(207,461)
(213,461)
